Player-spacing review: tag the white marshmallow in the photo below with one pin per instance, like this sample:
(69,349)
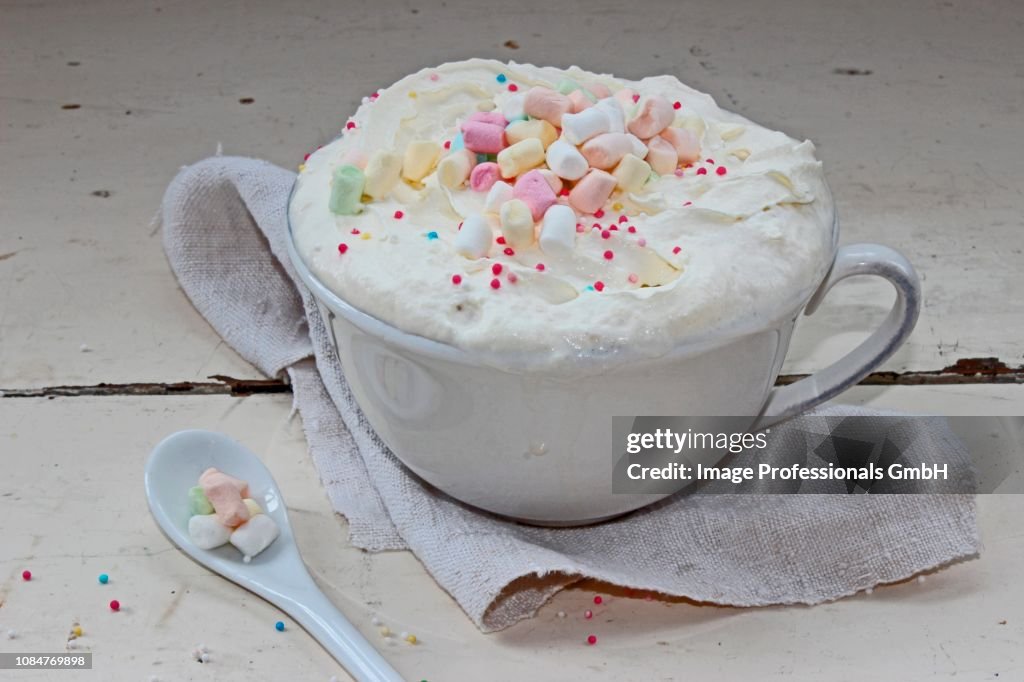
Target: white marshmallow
(499,193)
(558,231)
(578,128)
(512,107)
(566,161)
(475,238)
(639,148)
(454,169)
(616,119)
(207,532)
(254,536)
(516,223)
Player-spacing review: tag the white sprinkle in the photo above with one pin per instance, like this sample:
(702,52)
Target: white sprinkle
(375,621)
(561,614)
(11,634)
(404,635)
(84,348)
(205,658)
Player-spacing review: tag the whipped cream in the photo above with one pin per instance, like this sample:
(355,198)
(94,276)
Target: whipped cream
(740,236)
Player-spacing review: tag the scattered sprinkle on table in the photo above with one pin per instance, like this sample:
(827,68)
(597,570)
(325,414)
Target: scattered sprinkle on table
(104,578)
(115,605)
(591,640)
(26,575)
(279,625)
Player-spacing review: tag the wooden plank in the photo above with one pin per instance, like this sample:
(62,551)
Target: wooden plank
(911,105)
(72,506)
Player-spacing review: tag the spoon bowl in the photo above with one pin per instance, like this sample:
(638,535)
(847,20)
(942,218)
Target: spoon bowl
(276,574)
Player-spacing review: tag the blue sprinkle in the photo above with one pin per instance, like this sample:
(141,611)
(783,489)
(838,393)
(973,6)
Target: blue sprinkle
(104,578)
(589,287)
(279,625)
(502,78)
(481,158)
(431,235)
(458,143)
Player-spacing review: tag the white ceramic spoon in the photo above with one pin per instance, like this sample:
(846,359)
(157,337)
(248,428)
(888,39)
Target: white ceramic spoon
(278,573)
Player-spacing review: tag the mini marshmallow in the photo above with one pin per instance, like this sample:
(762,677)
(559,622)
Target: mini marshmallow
(533,189)
(420,157)
(599,90)
(489,117)
(520,157)
(613,110)
(558,231)
(686,143)
(206,532)
(567,86)
(483,138)
(484,175)
(499,193)
(631,173)
(517,223)
(215,475)
(225,494)
(655,115)
(547,105)
(347,183)
(454,169)
(512,108)
(605,151)
(253,506)
(661,155)
(197,502)
(522,130)
(592,191)
(579,101)
(475,238)
(382,173)
(566,161)
(254,536)
(553,180)
(578,128)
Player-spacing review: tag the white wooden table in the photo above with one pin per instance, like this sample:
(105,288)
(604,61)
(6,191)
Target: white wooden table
(914,106)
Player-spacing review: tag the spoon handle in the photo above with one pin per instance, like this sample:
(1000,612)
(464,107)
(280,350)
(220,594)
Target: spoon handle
(313,611)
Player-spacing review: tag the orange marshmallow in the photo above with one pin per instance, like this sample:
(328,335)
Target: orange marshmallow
(655,115)
(605,151)
(225,494)
(545,103)
(686,143)
(579,101)
(661,155)
(592,191)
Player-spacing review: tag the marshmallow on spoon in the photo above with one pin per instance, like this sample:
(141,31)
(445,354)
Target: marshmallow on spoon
(558,231)
(475,237)
(566,161)
(254,536)
(206,532)
(655,115)
(547,105)
(592,191)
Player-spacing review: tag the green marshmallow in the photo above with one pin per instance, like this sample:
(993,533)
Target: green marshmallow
(567,85)
(347,190)
(197,502)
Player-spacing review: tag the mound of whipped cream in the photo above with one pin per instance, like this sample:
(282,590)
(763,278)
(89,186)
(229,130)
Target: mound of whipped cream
(546,214)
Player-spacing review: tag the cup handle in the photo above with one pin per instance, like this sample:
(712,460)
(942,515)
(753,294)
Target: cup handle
(857,259)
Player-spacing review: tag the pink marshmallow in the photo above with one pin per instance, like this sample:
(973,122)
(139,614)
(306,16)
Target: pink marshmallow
(483,138)
(494,118)
(662,156)
(225,494)
(484,175)
(592,191)
(599,90)
(686,143)
(532,189)
(655,115)
(579,101)
(605,151)
(546,104)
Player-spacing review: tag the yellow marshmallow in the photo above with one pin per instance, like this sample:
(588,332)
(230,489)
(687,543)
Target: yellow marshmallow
(382,171)
(520,157)
(454,169)
(631,173)
(516,223)
(522,130)
(420,157)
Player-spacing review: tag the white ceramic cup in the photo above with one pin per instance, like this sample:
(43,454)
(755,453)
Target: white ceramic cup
(537,448)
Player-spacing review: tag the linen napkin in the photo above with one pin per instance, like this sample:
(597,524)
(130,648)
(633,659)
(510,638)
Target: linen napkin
(225,231)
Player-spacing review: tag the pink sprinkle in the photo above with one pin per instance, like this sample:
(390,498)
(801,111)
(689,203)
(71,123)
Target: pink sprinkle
(375,95)
(641,242)
(500,240)
(636,98)
(540,267)
(631,229)
(456,279)
(509,252)
(512,87)
(512,277)
(599,213)
(598,599)
(702,171)
(342,247)
(591,640)
(676,249)
(721,170)
(614,228)
(598,285)
(434,76)
(350,125)
(605,234)
(688,203)
(306,157)
(623,219)
(677,105)
(633,278)
(580,228)
(689,165)
(355,230)
(588,614)
(460,226)
(711,161)
(447,144)
(495,283)
(596,226)
(564,192)
(608,255)
(496,268)
(679,172)
(26,575)
(398,215)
